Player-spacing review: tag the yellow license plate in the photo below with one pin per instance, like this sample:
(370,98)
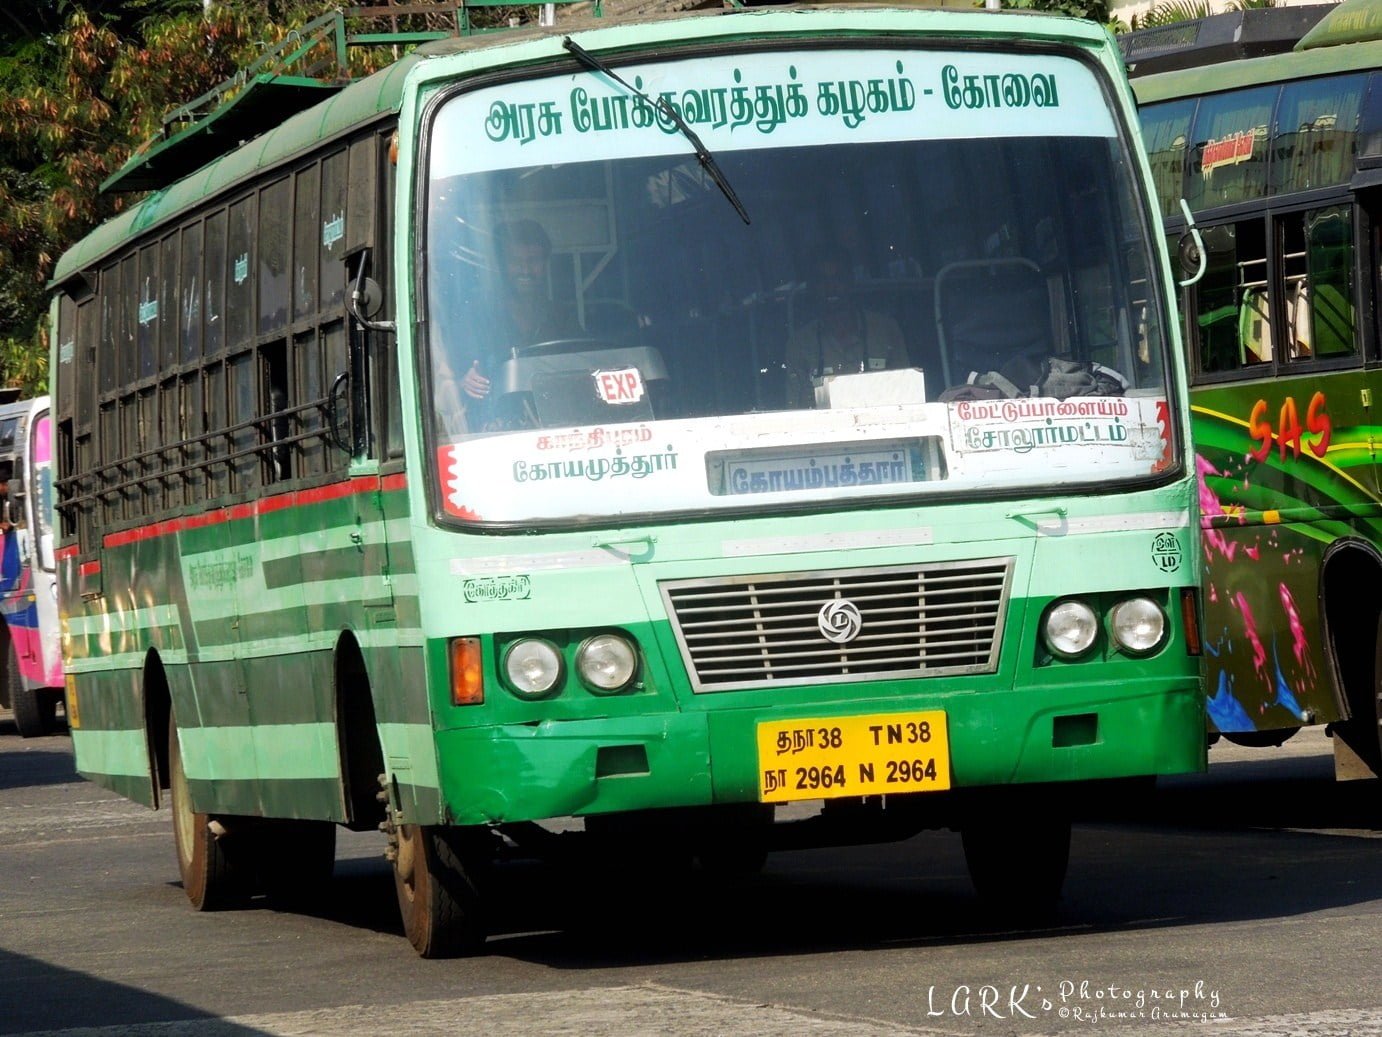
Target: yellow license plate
(825,758)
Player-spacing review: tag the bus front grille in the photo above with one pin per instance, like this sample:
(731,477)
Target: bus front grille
(840,625)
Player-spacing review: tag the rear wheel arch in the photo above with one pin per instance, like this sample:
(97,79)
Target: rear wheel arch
(1349,610)
(357,736)
(158,709)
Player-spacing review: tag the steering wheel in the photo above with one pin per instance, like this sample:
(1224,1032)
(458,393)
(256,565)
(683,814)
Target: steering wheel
(558,346)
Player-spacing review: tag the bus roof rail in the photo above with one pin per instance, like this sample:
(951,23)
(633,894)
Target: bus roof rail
(306,66)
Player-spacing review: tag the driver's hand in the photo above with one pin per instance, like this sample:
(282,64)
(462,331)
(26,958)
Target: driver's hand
(474,384)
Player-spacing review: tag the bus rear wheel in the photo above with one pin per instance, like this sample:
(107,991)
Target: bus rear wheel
(1017,863)
(35,709)
(209,875)
(437,895)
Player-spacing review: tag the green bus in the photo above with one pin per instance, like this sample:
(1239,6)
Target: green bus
(644,422)
(1278,156)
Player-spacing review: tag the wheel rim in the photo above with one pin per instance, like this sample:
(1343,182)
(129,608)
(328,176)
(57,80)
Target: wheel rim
(183,819)
(406,864)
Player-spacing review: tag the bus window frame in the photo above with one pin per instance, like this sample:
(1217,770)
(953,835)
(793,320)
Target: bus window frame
(1279,366)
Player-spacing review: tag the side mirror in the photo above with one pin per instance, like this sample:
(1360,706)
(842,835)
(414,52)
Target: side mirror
(365,298)
(370,299)
(1190,249)
(1189,253)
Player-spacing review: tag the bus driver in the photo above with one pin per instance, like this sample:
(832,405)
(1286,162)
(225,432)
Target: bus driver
(526,314)
(845,338)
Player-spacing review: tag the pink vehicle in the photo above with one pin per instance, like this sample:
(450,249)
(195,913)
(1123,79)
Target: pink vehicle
(30,653)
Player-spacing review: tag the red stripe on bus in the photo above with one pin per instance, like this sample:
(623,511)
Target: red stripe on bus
(64,553)
(90,569)
(297,499)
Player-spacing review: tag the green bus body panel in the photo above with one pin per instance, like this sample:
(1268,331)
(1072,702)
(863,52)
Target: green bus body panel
(249,660)
(1352,21)
(1268,523)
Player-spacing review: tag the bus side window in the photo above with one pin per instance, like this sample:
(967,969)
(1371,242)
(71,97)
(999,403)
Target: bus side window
(1231,314)
(1318,283)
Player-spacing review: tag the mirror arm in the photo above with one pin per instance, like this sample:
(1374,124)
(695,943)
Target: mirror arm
(341,380)
(1194,232)
(356,298)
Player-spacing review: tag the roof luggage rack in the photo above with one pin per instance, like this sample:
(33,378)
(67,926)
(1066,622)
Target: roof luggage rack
(1247,33)
(307,66)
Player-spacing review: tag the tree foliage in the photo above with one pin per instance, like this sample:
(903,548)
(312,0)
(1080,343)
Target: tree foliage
(83,86)
(1091,10)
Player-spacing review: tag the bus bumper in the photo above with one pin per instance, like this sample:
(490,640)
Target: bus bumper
(574,767)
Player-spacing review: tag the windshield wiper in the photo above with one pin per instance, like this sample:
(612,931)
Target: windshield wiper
(703,155)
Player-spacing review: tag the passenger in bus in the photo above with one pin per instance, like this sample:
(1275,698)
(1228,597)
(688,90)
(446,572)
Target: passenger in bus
(526,315)
(845,338)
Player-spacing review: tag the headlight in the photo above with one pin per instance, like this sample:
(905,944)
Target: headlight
(607,663)
(1139,625)
(1070,628)
(532,667)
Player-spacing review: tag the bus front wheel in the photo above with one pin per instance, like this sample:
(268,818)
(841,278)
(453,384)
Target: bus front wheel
(35,709)
(1017,863)
(209,875)
(437,895)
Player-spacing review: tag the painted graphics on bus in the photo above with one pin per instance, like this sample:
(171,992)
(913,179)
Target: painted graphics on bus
(1277,157)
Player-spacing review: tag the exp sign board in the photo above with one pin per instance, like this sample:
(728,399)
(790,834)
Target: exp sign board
(769,99)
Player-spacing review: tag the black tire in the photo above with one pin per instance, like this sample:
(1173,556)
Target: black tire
(1017,863)
(437,895)
(211,876)
(35,709)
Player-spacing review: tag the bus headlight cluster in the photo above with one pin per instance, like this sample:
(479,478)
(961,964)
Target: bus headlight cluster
(1070,628)
(532,667)
(1137,626)
(607,663)
(536,668)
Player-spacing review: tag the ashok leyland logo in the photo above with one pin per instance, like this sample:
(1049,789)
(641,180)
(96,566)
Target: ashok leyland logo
(839,621)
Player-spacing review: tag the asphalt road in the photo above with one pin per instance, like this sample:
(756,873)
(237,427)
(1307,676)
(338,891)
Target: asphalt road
(1249,898)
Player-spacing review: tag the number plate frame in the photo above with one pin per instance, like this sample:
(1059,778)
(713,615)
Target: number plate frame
(869,755)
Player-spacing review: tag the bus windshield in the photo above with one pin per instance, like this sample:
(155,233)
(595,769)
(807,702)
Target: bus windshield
(939,285)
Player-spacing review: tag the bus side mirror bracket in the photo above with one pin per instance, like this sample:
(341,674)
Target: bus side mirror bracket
(335,403)
(366,298)
(1190,249)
